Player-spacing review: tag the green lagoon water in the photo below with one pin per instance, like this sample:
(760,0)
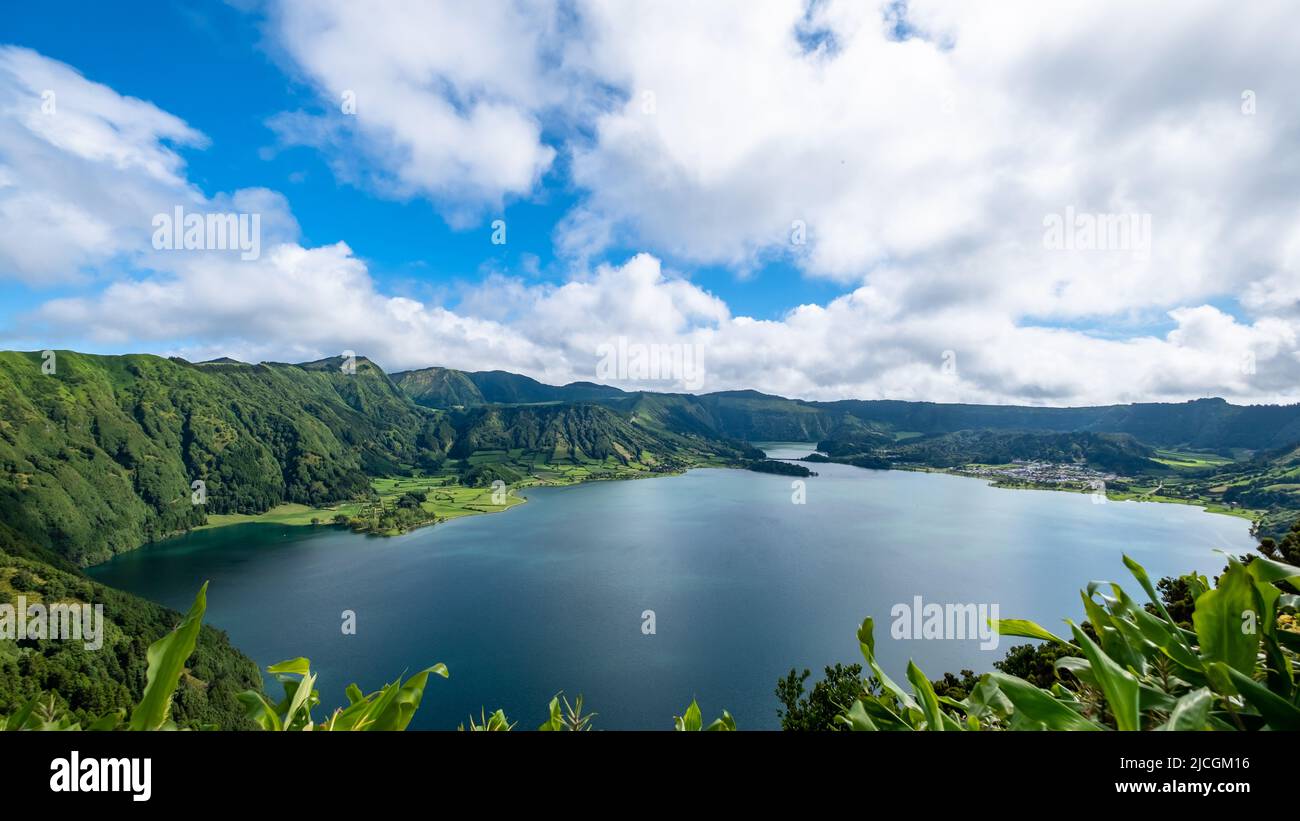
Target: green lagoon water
(744,585)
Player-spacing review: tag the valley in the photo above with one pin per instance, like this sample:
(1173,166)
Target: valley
(104,454)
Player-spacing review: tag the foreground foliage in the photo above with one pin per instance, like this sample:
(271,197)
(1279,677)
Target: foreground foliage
(90,683)
(1135,669)
(390,708)
(1127,667)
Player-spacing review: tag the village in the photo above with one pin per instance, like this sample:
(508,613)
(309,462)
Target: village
(1045,473)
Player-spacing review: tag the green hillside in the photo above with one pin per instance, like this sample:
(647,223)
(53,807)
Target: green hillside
(92,682)
(439,388)
(100,456)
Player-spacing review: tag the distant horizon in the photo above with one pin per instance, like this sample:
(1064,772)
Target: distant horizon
(393,373)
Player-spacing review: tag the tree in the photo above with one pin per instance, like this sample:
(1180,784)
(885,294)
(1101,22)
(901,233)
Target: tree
(830,697)
(1288,550)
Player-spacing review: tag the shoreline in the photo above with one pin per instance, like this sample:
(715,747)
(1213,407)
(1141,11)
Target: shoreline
(293,514)
(1212,508)
(1254,517)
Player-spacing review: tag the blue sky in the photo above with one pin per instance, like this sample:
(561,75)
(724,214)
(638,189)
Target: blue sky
(226,79)
(826,203)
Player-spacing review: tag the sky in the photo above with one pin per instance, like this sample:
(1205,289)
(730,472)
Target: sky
(1036,203)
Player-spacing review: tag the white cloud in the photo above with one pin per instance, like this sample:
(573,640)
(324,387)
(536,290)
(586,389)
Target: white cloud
(298,304)
(83,171)
(929,163)
(924,165)
(923,170)
(448,107)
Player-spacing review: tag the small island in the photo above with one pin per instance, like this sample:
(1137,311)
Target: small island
(779,467)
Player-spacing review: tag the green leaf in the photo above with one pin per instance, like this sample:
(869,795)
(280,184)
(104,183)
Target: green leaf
(167,657)
(856,719)
(1163,634)
(1191,712)
(300,698)
(867,644)
(1037,708)
(354,694)
(1118,685)
(299,666)
(406,700)
(929,702)
(556,722)
(725,723)
(1023,627)
(1220,626)
(18,720)
(1277,711)
(1113,639)
(690,722)
(1140,573)
(259,710)
(1265,569)
(108,721)
(987,700)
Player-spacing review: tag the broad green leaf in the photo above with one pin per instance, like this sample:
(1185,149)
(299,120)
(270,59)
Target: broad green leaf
(556,720)
(1080,668)
(884,717)
(1265,569)
(1037,708)
(259,710)
(929,702)
(987,699)
(1220,622)
(1114,642)
(20,717)
(299,666)
(300,700)
(1118,685)
(1025,628)
(857,719)
(1277,711)
(1140,573)
(1191,712)
(867,644)
(725,723)
(354,694)
(108,721)
(691,721)
(406,700)
(1163,634)
(167,657)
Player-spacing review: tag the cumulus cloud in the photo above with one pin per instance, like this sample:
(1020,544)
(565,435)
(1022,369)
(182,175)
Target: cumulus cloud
(923,152)
(923,148)
(84,170)
(448,108)
(297,304)
(917,146)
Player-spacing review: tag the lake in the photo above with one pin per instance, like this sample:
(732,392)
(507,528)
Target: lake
(743,582)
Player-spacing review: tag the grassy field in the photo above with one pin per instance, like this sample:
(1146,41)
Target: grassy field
(446,498)
(448,502)
(1189,460)
(1210,506)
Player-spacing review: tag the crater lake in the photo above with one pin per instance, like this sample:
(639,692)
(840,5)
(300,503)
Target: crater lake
(743,583)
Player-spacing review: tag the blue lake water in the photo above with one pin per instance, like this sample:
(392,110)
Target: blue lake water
(743,582)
